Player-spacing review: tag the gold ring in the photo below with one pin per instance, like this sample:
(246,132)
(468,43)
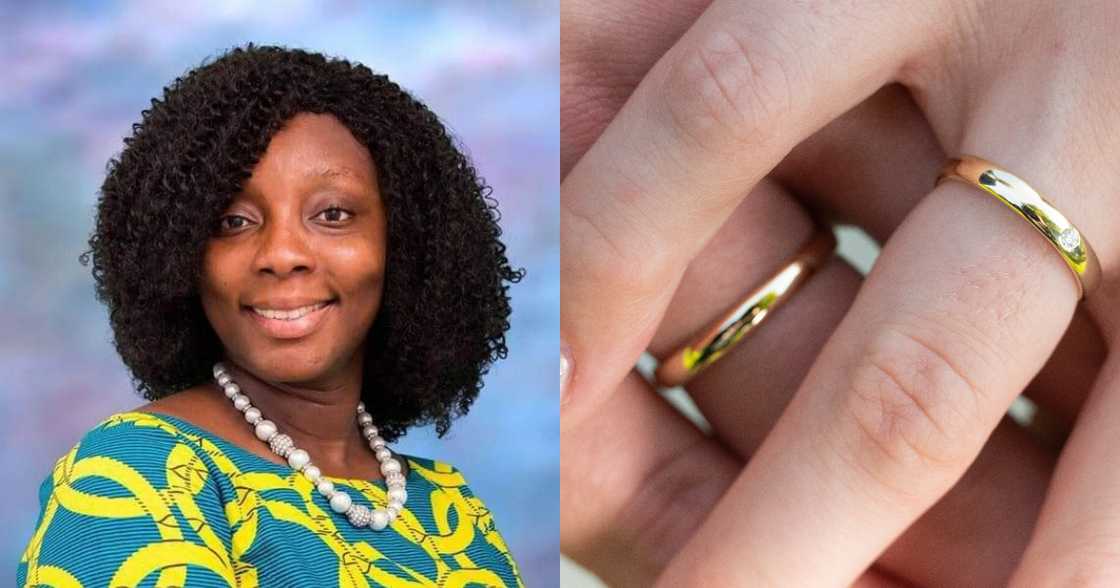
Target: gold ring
(1017,194)
(723,333)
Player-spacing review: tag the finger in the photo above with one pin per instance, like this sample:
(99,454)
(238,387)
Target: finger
(950,325)
(649,461)
(743,393)
(1064,382)
(875,578)
(606,48)
(973,536)
(635,482)
(652,190)
(977,532)
(626,467)
(870,168)
(1077,539)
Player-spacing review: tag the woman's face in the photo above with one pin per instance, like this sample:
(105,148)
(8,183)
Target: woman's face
(292,279)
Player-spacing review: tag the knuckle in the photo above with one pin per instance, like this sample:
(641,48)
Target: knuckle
(727,87)
(912,407)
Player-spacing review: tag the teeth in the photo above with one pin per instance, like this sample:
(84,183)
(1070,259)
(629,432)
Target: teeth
(288,315)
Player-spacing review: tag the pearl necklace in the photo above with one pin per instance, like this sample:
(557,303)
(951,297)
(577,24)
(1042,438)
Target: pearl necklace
(299,460)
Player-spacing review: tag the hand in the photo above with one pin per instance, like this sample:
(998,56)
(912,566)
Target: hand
(930,309)
(640,460)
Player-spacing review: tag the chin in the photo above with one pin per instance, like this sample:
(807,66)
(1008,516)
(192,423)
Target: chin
(286,365)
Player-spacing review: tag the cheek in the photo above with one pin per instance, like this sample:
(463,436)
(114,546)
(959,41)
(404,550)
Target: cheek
(217,288)
(216,274)
(361,268)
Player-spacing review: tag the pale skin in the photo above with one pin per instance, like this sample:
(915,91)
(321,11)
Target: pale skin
(695,137)
(295,232)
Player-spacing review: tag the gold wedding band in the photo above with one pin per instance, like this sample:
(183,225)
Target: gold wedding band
(1017,194)
(722,334)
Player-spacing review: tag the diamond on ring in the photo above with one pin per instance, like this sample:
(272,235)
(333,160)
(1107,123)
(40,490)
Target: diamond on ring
(1069,239)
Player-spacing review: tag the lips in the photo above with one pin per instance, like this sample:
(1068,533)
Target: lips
(290,321)
(288,315)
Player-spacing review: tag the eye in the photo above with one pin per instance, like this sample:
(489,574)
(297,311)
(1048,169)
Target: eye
(232,222)
(334,214)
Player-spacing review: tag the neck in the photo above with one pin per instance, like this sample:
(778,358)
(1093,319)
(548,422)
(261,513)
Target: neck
(320,417)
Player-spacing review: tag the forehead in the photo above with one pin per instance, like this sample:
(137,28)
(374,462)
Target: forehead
(314,148)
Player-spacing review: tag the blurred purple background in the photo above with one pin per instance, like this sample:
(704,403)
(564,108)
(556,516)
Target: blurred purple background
(76,76)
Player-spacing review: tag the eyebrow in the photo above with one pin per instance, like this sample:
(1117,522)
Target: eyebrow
(333,172)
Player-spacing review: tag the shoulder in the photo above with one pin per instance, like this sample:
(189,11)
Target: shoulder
(134,449)
(448,480)
(132,480)
(439,473)
(452,492)
(444,476)
(132,435)
(134,424)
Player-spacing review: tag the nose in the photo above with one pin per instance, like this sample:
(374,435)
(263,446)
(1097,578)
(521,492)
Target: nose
(284,249)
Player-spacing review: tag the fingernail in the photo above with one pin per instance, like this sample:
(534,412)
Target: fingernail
(565,371)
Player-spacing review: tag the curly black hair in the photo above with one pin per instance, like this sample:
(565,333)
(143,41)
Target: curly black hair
(445,308)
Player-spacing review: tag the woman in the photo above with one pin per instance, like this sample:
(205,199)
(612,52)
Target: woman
(299,265)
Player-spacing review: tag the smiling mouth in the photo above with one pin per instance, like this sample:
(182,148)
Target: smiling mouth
(290,315)
(292,323)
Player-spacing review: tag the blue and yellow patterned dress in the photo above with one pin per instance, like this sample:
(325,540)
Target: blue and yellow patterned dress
(151,500)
